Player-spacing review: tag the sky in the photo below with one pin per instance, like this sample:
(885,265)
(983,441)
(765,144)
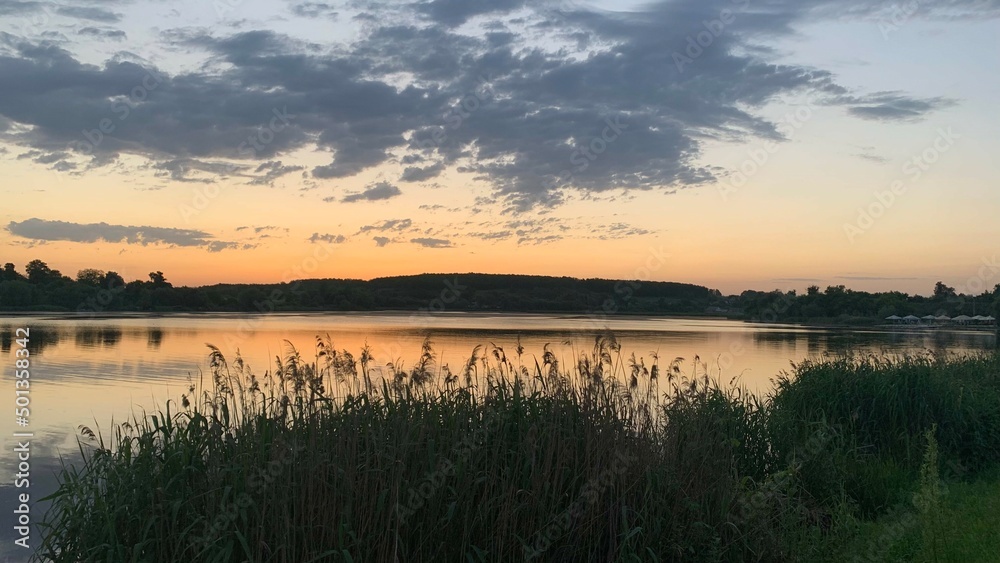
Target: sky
(737,144)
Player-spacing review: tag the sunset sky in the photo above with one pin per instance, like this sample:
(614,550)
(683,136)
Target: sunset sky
(730,143)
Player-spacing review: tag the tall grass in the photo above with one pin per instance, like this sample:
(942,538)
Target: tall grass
(506,458)
(881,408)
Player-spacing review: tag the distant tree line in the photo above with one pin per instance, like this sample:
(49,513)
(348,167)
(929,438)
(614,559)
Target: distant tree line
(837,304)
(93,291)
(41,288)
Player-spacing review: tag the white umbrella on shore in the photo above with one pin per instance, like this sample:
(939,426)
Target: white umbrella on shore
(942,318)
(929,318)
(894,318)
(911,319)
(962,319)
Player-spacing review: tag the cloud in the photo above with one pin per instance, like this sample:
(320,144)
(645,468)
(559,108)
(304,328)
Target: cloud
(182,170)
(314,10)
(380,241)
(870,154)
(268,172)
(375,192)
(15,8)
(112,34)
(491,235)
(388,225)
(432,242)
(620,231)
(44,230)
(893,106)
(219,246)
(328,238)
(417,174)
(551,100)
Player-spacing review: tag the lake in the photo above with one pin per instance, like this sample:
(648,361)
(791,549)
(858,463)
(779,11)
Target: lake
(87,371)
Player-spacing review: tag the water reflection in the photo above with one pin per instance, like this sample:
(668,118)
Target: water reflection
(97,336)
(154,338)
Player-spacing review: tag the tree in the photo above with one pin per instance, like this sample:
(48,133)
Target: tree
(158,280)
(941,291)
(10,273)
(38,271)
(112,280)
(90,277)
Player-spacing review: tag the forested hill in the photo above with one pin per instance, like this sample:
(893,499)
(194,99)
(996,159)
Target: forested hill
(41,288)
(95,291)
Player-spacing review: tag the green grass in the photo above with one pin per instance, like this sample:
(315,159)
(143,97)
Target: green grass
(523,458)
(965,529)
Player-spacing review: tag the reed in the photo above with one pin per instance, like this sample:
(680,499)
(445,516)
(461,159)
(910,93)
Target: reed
(505,458)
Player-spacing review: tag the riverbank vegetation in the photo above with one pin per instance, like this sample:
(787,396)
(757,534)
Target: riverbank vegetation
(510,456)
(97,292)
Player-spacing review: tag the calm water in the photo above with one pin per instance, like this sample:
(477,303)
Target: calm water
(94,371)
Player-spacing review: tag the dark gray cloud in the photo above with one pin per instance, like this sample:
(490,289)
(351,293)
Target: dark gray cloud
(417,174)
(315,10)
(375,192)
(15,8)
(427,242)
(44,230)
(388,225)
(188,169)
(334,239)
(894,106)
(610,109)
(268,172)
(491,235)
(380,241)
(219,246)
(623,230)
(112,34)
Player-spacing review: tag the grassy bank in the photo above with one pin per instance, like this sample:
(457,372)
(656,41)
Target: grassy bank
(512,457)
